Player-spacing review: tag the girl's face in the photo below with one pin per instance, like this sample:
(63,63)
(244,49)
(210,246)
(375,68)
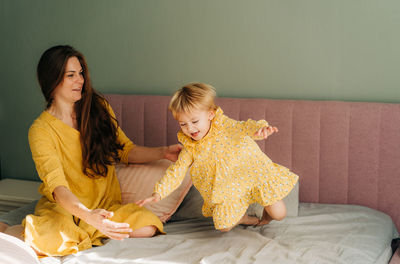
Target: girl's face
(70,88)
(196,123)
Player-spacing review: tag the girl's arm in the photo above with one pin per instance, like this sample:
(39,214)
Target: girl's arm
(98,218)
(174,175)
(251,128)
(172,179)
(265,132)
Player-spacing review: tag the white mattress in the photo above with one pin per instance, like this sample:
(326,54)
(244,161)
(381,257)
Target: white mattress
(320,234)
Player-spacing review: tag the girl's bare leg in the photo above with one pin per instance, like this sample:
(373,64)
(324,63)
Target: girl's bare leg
(276,211)
(246,220)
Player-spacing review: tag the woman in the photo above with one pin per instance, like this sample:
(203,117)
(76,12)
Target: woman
(75,143)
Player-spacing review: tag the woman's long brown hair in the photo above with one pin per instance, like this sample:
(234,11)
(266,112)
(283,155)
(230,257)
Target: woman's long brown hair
(98,129)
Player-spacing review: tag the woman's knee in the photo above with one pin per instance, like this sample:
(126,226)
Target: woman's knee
(146,231)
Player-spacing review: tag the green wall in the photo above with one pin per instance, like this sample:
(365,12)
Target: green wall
(310,49)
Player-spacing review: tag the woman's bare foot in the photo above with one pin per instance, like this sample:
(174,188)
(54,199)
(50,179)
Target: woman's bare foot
(15,231)
(266,218)
(3,226)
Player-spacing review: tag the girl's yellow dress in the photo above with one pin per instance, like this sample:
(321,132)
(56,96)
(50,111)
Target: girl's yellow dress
(57,154)
(229,170)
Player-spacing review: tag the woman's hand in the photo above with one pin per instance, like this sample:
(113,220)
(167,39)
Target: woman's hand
(265,132)
(99,219)
(153,199)
(172,152)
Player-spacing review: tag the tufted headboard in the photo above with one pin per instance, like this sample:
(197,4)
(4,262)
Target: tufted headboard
(344,152)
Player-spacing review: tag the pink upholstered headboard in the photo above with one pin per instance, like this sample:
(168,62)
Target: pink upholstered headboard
(344,152)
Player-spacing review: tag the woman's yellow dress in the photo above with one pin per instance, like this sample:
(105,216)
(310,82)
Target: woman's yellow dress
(57,154)
(229,170)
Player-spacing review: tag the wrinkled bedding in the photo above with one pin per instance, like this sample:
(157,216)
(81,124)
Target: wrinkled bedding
(320,234)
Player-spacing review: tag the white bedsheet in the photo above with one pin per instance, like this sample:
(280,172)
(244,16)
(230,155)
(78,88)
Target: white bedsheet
(320,234)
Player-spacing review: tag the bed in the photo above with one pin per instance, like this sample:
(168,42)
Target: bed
(320,234)
(344,210)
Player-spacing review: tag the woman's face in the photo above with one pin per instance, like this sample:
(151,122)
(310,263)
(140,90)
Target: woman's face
(69,90)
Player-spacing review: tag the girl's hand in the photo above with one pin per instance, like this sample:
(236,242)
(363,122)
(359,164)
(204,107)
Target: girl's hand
(265,132)
(99,218)
(153,199)
(172,152)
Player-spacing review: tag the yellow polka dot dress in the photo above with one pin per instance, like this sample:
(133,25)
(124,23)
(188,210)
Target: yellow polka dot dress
(229,170)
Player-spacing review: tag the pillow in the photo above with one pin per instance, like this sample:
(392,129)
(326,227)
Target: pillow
(137,182)
(191,206)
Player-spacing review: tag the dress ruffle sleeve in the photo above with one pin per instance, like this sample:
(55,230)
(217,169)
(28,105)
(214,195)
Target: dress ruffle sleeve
(240,128)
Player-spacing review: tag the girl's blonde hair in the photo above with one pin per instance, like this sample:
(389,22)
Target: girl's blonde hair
(193,96)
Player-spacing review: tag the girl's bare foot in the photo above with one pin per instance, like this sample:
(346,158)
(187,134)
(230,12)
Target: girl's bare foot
(246,220)
(249,220)
(266,218)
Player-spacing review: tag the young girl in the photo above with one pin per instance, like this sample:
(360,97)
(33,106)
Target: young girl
(227,166)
